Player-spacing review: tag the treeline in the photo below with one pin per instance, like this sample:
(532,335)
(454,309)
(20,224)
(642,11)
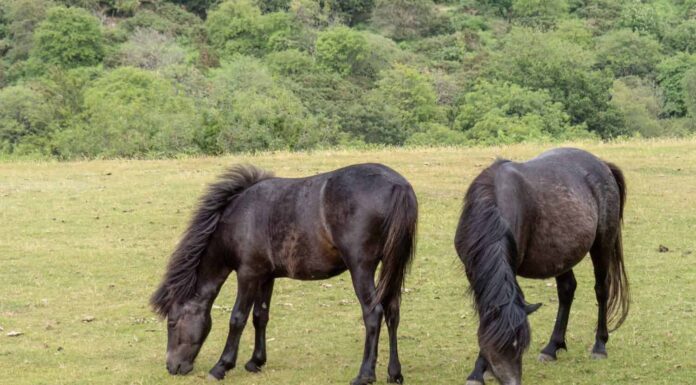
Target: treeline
(86,78)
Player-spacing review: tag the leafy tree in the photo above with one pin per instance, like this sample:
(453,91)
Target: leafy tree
(682,37)
(542,61)
(25,120)
(351,11)
(647,18)
(343,50)
(437,135)
(670,76)
(131,112)
(405,19)
(639,104)
(68,38)
(150,49)
(253,112)
(199,7)
(627,53)
(539,13)
(689,86)
(494,113)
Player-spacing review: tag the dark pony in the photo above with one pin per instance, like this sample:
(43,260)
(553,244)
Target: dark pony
(537,220)
(264,228)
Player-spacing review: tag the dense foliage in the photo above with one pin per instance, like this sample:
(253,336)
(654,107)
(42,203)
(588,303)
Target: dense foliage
(90,78)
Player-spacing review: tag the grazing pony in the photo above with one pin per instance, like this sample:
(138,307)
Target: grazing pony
(538,219)
(310,228)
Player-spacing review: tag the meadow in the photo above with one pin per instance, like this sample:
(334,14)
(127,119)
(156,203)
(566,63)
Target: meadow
(83,244)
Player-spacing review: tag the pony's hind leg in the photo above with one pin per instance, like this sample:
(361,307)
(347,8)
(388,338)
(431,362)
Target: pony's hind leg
(392,317)
(565,284)
(600,260)
(364,284)
(262,305)
(246,292)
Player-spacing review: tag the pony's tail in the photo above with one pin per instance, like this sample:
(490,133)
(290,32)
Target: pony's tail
(400,228)
(180,280)
(619,293)
(487,247)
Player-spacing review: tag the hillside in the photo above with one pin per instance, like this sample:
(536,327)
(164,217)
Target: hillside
(156,78)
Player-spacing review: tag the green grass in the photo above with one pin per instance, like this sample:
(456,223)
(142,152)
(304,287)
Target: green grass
(92,238)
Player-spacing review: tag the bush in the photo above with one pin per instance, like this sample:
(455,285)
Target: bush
(639,104)
(150,49)
(437,135)
(405,19)
(252,112)
(131,112)
(500,113)
(343,50)
(670,75)
(68,38)
(543,61)
(25,120)
(628,53)
(682,37)
(543,14)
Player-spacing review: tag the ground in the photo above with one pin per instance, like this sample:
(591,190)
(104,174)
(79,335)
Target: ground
(84,244)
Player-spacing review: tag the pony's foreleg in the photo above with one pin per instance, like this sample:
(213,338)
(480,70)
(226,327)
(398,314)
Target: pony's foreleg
(565,284)
(364,284)
(392,317)
(476,376)
(246,292)
(262,306)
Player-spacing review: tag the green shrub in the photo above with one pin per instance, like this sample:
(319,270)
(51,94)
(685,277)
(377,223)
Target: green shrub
(670,75)
(437,135)
(132,112)
(405,19)
(628,53)
(639,104)
(343,50)
(68,38)
(25,120)
(539,13)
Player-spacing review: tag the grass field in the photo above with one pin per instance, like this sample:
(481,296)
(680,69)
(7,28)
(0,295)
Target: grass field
(83,245)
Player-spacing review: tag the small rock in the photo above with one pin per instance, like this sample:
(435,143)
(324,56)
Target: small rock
(108,173)
(684,254)
(14,333)
(88,318)
(663,249)
(326,285)
(60,349)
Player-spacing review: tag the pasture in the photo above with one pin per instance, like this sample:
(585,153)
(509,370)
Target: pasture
(84,244)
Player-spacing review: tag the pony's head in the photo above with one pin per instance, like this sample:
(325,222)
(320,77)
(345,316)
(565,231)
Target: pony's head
(188,325)
(505,360)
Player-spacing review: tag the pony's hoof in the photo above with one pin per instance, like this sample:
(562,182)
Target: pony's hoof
(598,356)
(543,357)
(473,382)
(217,373)
(252,367)
(398,379)
(363,380)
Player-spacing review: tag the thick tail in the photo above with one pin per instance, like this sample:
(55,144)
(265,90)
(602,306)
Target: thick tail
(487,247)
(619,292)
(179,282)
(400,227)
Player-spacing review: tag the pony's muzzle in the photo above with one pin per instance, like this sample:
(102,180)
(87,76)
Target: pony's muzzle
(181,368)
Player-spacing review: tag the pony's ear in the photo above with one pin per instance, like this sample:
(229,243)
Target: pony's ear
(531,307)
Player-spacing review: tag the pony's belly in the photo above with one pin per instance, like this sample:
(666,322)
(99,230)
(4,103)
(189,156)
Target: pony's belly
(548,266)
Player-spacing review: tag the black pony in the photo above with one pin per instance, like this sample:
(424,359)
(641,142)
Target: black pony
(306,228)
(538,219)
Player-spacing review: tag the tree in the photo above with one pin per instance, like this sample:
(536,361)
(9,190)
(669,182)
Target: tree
(670,75)
(252,112)
(131,112)
(543,14)
(496,113)
(542,61)
(68,38)
(404,19)
(689,86)
(628,53)
(150,49)
(25,120)
(342,50)
(682,37)
(639,104)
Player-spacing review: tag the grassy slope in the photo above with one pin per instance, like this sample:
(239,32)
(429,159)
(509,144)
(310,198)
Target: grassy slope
(92,238)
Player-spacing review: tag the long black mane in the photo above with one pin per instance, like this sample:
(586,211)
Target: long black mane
(180,280)
(488,250)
